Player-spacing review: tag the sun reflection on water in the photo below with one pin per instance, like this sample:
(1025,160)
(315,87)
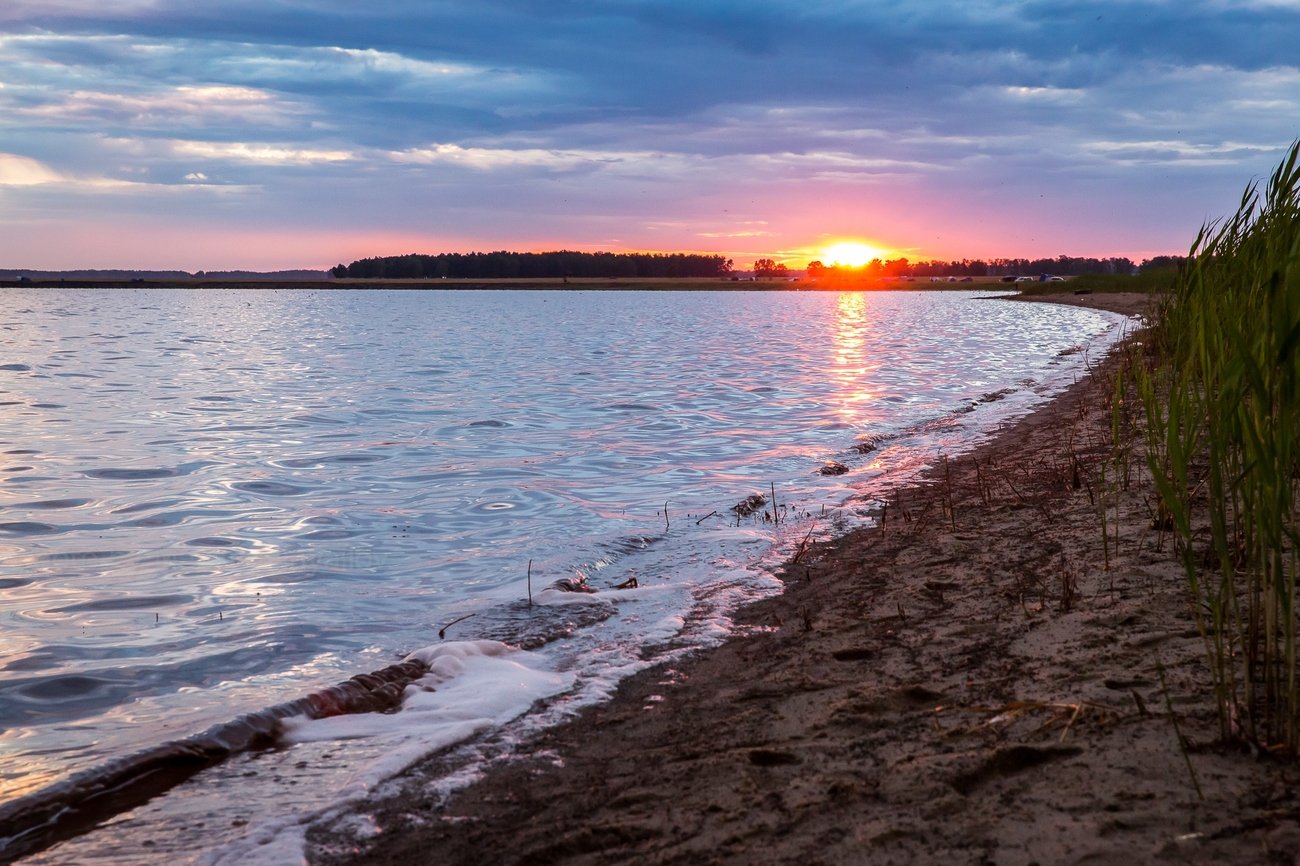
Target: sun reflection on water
(854,362)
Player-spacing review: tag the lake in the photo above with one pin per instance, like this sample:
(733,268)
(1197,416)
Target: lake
(215,501)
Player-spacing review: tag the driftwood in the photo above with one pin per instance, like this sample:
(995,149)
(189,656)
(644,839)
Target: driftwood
(76,804)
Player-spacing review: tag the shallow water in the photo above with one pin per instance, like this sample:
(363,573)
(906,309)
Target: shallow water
(214,501)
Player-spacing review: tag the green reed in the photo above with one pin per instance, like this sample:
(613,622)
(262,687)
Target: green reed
(1222,398)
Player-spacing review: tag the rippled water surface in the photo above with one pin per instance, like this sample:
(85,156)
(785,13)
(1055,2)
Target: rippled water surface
(215,500)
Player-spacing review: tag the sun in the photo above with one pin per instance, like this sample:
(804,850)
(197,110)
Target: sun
(850,254)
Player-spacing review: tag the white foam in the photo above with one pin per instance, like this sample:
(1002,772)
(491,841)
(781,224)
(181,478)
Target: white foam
(273,843)
(554,596)
(471,686)
(479,683)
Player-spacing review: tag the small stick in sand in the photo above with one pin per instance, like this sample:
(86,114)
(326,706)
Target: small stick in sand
(803,545)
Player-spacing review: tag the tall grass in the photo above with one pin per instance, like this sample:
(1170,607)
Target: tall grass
(1223,406)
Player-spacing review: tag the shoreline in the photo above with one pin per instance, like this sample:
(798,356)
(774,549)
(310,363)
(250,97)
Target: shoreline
(982,678)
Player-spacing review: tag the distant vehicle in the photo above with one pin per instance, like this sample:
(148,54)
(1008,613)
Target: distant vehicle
(1024,279)
(1054,280)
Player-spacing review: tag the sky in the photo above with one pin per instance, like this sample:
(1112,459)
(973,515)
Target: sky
(277,134)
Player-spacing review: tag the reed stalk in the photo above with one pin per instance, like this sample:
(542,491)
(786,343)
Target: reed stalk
(1222,401)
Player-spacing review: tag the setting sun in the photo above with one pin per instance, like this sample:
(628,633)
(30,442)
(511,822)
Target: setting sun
(850,254)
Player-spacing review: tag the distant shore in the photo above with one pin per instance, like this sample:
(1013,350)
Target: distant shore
(712,284)
(1005,671)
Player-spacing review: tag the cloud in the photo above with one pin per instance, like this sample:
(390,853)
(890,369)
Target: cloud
(220,106)
(47,10)
(718,119)
(260,154)
(1059,95)
(491,158)
(1180,153)
(25,171)
(22,171)
(735,234)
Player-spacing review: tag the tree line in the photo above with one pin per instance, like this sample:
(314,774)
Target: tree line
(1065,266)
(566,263)
(509,265)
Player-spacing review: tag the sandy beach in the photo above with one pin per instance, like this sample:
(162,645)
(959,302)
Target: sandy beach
(997,674)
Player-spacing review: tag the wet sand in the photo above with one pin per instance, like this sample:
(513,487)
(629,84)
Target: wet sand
(981,680)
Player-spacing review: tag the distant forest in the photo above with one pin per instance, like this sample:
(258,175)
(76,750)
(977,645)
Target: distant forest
(508,265)
(1064,266)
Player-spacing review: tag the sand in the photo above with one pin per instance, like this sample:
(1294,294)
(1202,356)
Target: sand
(982,680)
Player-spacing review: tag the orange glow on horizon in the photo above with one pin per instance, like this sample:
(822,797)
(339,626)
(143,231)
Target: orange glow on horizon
(850,254)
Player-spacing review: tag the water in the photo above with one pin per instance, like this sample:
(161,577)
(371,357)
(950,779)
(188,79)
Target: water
(214,501)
